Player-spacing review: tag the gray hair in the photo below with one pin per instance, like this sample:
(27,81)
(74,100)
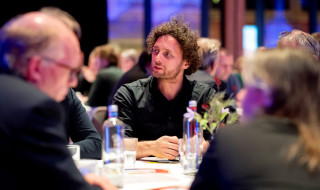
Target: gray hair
(18,42)
(301,40)
(65,17)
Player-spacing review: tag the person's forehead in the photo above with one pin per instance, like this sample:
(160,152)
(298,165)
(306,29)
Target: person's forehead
(226,59)
(168,42)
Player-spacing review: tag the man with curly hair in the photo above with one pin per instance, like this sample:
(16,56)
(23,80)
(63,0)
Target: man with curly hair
(152,108)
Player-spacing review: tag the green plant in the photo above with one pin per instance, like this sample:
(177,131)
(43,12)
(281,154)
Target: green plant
(217,113)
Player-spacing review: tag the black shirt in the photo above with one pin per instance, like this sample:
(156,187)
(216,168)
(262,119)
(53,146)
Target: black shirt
(135,73)
(80,128)
(148,115)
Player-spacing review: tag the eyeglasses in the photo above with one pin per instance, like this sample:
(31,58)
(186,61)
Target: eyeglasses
(314,49)
(285,33)
(74,72)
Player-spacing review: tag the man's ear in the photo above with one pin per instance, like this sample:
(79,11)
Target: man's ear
(186,65)
(33,73)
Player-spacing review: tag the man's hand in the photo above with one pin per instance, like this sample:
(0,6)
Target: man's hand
(163,147)
(100,181)
(166,147)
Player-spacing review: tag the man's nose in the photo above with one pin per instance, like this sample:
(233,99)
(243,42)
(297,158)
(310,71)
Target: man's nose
(157,59)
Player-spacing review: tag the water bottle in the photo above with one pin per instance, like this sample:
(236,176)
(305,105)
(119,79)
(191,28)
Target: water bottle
(192,139)
(113,147)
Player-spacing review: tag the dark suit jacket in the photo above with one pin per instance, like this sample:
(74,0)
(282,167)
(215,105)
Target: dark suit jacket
(33,141)
(254,156)
(80,128)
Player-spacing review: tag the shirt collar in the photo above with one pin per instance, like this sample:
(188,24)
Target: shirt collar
(186,86)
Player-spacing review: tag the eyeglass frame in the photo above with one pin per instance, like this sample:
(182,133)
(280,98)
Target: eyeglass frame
(74,72)
(285,33)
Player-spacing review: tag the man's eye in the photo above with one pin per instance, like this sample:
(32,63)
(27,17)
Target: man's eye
(155,51)
(167,54)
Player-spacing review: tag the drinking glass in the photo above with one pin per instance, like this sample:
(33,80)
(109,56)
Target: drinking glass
(74,151)
(130,152)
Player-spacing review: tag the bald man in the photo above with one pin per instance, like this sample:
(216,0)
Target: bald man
(41,58)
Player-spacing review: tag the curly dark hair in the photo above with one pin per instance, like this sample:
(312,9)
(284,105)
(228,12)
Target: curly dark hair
(187,39)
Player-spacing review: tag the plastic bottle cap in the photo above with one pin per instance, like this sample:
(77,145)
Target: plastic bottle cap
(113,108)
(192,103)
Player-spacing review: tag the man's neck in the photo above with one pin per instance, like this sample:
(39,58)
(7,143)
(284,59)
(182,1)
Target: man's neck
(170,87)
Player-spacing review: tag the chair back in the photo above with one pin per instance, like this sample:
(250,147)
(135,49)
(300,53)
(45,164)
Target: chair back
(98,117)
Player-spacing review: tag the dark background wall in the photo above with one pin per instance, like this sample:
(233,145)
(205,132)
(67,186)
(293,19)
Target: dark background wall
(90,14)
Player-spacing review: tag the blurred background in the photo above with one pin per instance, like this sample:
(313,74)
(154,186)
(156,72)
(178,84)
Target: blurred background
(241,25)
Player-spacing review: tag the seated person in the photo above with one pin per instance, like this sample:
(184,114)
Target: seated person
(41,57)
(79,127)
(152,109)
(223,74)
(106,78)
(100,57)
(128,58)
(276,145)
(209,54)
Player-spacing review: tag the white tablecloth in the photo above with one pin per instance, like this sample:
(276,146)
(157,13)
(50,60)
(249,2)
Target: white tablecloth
(149,175)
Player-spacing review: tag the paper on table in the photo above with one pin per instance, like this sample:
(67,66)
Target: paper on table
(160,160)
(155,181)
(146,170)
(172,188)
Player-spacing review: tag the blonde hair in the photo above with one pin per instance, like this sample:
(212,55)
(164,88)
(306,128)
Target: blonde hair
(292,77)
(209,51)
(109,52)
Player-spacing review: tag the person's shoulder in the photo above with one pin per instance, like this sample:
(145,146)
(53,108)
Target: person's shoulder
(135,88)
(254,127)
(140,83)
(21,90)
(200,87)
(71,99)
(113,70)
(24,98)
(132,75)
(233,78)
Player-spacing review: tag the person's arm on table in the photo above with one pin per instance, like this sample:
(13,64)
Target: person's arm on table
(163,147)
(81,130)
